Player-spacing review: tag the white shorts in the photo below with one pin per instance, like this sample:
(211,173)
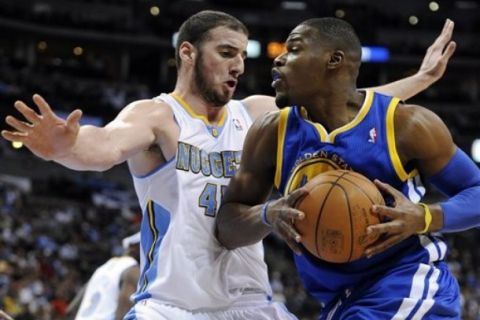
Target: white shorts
(251,310)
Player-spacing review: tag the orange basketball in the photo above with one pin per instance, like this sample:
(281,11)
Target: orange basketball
(337,212)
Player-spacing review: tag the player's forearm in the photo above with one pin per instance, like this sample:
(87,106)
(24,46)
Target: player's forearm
(240,225)
(407,87)
(460,180)
(94,150)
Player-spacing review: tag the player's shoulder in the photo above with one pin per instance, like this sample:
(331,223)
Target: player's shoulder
(416,116)
(153,106)
(148,111)
(258,105)
(268,121)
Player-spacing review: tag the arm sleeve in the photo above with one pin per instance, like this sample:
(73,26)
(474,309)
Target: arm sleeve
(460,181)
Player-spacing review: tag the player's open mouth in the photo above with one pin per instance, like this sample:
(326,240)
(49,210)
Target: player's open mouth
(276,76)
(232,83)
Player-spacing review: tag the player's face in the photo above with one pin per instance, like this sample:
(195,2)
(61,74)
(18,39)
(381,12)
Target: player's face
(299,72)
(219,64)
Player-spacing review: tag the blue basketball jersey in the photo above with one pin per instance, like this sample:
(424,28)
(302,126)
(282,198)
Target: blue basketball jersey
(365,145)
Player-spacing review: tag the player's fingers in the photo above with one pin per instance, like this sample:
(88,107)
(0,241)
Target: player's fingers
(28,113)
(295,196)
(290,214)
(14,136)
(445,35)
(385,211)
(385,187)
(447,54)
(74,117)
(383,245)
(390,227)
(288,231)
(43,106)
(294,246)
(18,125)
(282,230)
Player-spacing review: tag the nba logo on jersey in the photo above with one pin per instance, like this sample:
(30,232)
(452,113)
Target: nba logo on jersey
(373,135)
(237,124)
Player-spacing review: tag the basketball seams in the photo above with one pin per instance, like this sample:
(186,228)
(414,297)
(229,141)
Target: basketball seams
(319,216)
(366,194)
(351,173)
(350,218)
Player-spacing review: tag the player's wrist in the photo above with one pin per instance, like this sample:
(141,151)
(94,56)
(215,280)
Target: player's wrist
(427,216)
(425,78)
(264,214)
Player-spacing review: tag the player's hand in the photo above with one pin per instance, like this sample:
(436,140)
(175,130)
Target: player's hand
(282,214)
(438,54)
(47,135)
(405,218)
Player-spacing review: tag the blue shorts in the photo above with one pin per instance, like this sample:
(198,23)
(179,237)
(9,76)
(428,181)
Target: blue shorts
(412,291)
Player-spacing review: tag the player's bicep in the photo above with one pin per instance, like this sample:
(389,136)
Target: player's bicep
(425,138)
(133,130)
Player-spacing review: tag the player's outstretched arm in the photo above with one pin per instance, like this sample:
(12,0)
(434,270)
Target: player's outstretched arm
(424,140)
(81,147)
(432,69)
(244,218)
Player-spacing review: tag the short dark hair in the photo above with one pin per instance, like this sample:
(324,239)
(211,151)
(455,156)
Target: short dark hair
(195,29)
(338,32)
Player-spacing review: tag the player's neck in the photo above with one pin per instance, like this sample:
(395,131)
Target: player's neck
(199,105)
(337,108)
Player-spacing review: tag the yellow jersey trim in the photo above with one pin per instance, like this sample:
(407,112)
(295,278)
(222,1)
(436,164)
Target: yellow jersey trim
(367,103)
(195,115)
(306,164)
(281,131)
(322,132)
(392,147)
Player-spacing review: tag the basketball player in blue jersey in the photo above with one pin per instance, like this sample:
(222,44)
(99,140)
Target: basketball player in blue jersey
(182,149)
(332,125)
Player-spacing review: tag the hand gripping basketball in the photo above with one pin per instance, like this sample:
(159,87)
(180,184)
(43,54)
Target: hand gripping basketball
(337,213)
(282,215)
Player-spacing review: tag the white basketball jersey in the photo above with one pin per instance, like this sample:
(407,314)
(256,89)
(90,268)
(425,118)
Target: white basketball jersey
(101,295)
(182,263)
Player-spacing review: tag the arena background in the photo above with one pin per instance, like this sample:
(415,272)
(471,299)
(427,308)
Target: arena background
(57,226)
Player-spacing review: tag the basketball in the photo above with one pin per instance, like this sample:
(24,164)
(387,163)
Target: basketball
(337,212)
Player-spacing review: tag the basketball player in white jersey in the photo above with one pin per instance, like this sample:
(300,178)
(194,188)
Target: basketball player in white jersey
(106,296)
(182,148)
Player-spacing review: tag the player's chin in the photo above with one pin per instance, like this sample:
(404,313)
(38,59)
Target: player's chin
(282,100)
(227,95)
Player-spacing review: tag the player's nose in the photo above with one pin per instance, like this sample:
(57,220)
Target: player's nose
(279,60)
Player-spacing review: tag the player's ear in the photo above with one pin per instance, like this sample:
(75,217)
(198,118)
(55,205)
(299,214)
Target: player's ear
(336,59)
(187,52)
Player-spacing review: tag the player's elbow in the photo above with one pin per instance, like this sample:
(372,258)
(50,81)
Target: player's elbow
(223,231)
